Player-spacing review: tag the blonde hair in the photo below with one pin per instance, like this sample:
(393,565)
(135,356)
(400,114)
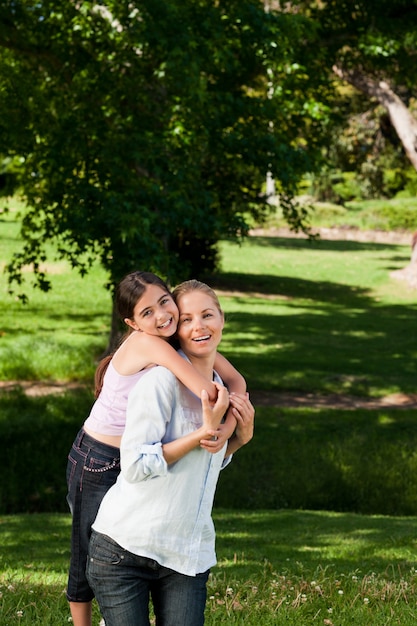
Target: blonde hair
(195,285)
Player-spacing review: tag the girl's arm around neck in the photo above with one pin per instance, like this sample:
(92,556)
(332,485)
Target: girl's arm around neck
(235,384)
(143,350)
(233,379)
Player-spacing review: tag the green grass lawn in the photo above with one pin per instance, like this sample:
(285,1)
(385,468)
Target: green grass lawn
(274,567)
(320,317)
(58,334)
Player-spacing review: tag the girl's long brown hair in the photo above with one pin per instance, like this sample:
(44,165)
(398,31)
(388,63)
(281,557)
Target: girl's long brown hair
(128,293)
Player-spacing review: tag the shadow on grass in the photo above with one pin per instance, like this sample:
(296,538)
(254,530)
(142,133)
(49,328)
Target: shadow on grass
(37,434)
(35,543)
(86,323)
(364,349)
(296,540)
(245,285)
(291,541)
(361,461)
(320,336)
(333,245)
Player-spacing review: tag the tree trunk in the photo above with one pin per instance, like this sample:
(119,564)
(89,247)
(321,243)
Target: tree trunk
(413,260)
(404,123)
(116,333)
(409,272)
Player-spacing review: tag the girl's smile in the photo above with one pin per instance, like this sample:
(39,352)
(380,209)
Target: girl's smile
(155,313)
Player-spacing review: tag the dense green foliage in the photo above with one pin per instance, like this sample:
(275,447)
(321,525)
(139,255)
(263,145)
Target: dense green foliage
(372,44)
(376,37)
(144,134)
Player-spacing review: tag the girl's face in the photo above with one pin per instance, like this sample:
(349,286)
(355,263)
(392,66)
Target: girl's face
(155,313)
(201,324)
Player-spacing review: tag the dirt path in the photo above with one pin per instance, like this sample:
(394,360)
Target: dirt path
(258,398)
(341,234)
(332,401)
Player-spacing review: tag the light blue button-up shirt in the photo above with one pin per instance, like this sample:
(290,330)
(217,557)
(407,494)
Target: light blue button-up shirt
(154,510)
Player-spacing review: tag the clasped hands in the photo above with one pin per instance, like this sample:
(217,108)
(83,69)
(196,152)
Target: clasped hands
(238,427)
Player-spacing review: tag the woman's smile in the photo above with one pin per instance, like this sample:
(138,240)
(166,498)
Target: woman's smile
(201,323)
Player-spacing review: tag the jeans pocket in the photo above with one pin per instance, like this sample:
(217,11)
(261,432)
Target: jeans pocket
(104,551)
(97,465)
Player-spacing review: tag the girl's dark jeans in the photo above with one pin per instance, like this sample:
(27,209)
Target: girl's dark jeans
(92,469)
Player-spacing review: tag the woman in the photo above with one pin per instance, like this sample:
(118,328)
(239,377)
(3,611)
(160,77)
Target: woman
(146,306)
(153,535)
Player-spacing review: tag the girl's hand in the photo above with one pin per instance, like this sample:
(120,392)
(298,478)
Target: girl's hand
(244,413)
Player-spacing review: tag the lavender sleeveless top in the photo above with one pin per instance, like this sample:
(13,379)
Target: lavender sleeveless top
(108,414)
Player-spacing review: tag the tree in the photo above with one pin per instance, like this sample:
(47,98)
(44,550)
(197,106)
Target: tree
(372,45)
(145,129)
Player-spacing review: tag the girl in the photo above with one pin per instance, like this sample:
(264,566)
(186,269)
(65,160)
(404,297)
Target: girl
(153,535)
(146,306)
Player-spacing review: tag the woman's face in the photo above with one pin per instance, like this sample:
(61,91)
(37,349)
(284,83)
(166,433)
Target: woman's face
(201,324)
(155,313)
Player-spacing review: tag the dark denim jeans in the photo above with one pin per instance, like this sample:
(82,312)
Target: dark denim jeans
(123,583)
(91,470)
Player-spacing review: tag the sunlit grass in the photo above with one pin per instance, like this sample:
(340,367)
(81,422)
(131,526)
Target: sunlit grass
(284,299)
(59,334)
(274,567)
(319,317)
(329,318)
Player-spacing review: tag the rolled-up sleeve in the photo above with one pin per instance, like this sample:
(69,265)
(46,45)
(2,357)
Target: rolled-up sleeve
(149,410)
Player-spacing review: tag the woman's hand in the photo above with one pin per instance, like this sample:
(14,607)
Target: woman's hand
(212,416)
(217,438)
(237,430)
(213,413)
